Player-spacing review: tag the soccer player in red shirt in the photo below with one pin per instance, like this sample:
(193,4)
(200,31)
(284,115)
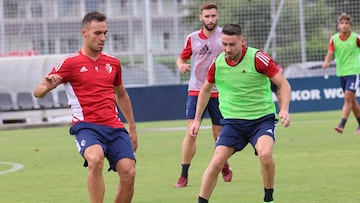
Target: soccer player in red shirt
(94,86)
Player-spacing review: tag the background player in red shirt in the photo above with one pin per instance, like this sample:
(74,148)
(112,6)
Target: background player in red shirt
(93,81)
(202,46)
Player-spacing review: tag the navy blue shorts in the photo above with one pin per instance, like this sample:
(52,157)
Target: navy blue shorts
(274,88)
(237,133)
(350,83)
(212,108)
(114,141)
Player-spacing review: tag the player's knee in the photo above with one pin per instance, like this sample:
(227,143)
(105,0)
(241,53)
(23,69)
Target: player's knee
(95,163)
(217,165)
(127,177)
(126,168)
(266,158)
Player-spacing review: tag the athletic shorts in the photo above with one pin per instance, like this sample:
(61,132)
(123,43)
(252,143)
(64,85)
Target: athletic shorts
(212,108)
(274,88)
(237,133)
(350,82)
(114,141)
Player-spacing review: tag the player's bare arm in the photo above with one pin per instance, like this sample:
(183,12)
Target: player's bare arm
(285,94)
(328,59)
(203,100)
(182,65)
(49,83)
(123,100)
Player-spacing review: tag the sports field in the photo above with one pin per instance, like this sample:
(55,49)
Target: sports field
(314,165)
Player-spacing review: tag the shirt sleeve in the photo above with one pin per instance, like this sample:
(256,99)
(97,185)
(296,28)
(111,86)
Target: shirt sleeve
(118,77)
(211,73)
(331,45)
(265,64)
(186,52)
(61,68)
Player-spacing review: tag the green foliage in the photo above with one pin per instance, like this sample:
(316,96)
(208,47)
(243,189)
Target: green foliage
(316,47)
(314,164)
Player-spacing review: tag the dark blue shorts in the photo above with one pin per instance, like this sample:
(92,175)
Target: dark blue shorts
(212,108)
(350,83)
(237,133)
(114,141)
(274,88)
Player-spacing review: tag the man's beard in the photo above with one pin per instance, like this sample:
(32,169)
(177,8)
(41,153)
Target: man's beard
(208,28)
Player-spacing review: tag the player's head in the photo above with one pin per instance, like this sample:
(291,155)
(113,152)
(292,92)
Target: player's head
(344,17)
(209,15)
(93,16)
(94,30)
(232,41)
(344,22)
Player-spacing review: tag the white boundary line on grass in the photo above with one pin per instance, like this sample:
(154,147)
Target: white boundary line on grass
(15,167)
(164,129)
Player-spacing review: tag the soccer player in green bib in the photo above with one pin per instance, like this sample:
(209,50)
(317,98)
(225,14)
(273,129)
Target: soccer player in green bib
(346,46)
(242,75)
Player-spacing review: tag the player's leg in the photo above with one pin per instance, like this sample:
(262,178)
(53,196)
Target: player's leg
(348,86)
(264,148)
(215,115)
(356,111)
(210,176)
(94,156)
(188,147)
(121,157)
(349,97)
(230,135)
(263,139)
(215,131)
(356,106)
(89,146)
(126,170)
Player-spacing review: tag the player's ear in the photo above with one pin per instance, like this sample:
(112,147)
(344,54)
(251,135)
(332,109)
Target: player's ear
(83,31)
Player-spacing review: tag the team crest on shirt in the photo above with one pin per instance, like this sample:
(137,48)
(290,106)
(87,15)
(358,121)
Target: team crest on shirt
(108,68)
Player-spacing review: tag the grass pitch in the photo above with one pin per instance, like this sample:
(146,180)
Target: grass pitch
(314,164)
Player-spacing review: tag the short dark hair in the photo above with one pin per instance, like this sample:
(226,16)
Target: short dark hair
(207,5)
(344,16)
(93,16)
(232,29)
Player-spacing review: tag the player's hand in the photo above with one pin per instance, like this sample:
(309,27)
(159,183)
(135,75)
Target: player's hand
(325,65)
(284,119)
(194,128)
(133,138)
(183,68)
(53,81)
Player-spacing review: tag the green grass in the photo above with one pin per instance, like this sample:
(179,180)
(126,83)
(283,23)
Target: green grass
(313,165)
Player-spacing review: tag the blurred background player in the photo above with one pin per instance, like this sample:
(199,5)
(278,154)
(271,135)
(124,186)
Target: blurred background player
(345,44)
(203,46)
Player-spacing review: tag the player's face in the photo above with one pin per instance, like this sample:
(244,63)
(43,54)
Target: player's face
(209,18)
(95,35)
(344,26)
(232,45)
